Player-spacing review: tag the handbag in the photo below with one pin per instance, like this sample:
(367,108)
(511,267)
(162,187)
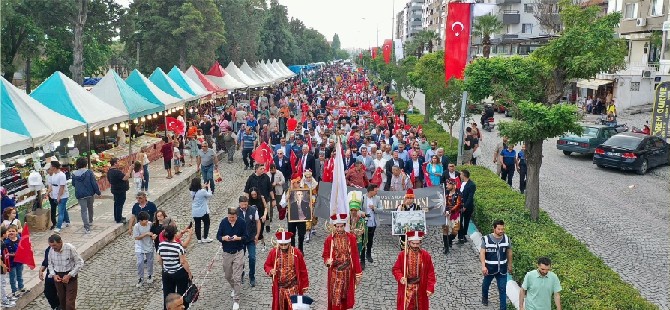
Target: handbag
(192,293)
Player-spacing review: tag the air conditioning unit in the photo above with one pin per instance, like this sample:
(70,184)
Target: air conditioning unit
(641,22)
(648,74)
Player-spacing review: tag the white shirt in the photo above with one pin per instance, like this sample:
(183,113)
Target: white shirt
(56,181)
(416,167)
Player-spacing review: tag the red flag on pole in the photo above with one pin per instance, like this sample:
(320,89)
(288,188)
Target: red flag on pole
(24,253)
(374,52)
(426,176)
(457,40)
(328,170)
(262,154)
(387,49)
(297,167)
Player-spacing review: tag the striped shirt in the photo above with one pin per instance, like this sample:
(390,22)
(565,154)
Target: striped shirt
(67,260)
(169,253)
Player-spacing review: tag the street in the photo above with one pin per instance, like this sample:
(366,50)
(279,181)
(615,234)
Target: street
(108,278)
(620,216)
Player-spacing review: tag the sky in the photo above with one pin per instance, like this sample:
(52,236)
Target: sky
(355,21)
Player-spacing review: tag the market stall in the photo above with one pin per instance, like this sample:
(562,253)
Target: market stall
(246,69)
(240,76)
(221,78)
(186,83)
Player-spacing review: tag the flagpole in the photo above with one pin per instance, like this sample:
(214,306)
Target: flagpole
(464,98)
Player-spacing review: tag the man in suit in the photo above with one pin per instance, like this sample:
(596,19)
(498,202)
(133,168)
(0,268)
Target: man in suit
(283,164)
(319,165)
(394,161)
(468,189)
(348,159)
(368,162)
(415,166)
(300,210)
(444,160)
(306,160)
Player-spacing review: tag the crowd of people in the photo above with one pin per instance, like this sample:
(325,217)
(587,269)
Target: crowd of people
(288,138)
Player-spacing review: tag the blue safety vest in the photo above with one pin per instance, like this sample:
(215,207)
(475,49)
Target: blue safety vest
(495,255)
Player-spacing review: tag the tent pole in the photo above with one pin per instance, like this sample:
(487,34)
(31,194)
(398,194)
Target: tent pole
(88,143)
(130,140)
(165,123)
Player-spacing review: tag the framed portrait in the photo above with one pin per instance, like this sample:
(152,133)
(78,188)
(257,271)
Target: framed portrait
(299,205)
(402,221)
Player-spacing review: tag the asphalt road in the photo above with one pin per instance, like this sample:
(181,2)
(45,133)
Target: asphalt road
(621,217)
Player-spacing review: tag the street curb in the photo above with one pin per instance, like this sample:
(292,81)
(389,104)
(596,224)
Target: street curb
(512,287)
(94,245)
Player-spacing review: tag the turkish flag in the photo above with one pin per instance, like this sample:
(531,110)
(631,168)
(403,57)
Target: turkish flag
(262,154)
(374,52)
(24,253)
(175,125)
(457,40)
(377,176)
(426,176)
(297,167)
(387,49)
(328,170)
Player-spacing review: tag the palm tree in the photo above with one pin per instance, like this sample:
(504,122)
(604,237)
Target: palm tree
(484,27)
(426,38)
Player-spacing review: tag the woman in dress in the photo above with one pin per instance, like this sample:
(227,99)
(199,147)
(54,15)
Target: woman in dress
(435,170)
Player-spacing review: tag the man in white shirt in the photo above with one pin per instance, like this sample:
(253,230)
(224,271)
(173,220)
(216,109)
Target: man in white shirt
(59,192)
(371,203)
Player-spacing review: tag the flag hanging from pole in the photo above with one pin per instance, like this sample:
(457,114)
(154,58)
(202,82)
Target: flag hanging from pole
(338,194)
(399,53)
(24,253)
(387,50)
(457,40)
(374,53)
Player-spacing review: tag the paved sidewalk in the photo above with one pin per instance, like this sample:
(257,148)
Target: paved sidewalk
(104,230)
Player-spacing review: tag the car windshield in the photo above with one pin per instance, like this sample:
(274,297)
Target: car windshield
(624,142)
(589,132)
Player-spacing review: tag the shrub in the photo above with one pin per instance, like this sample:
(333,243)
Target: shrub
(587,282)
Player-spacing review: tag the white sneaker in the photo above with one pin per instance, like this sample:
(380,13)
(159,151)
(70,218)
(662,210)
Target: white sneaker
(139,283)
(307,237)
(67,224)
(150,280)
(207,240)
(236,306)
(199,241)
(232,293)
(57,230)
(8,304)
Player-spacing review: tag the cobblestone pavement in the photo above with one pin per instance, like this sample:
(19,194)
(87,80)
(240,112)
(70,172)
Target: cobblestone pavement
(108,279)
(620,216)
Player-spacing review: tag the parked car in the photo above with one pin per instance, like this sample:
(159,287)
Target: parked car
(632,151)
(586,143)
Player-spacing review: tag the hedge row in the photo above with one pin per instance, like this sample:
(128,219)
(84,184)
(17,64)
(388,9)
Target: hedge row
(587,282)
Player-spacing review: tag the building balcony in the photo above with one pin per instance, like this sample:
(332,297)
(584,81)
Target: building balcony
(511,17)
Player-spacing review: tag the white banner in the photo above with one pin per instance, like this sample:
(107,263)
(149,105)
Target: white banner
(399,54)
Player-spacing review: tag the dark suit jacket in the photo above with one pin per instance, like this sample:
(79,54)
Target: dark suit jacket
(469,195)
(318,166)
(409,168)
(445,167)
(310,163)
(389,165)
(352,161)
(293,212)
(285,167)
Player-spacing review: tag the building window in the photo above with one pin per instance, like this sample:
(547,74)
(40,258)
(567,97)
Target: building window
(656,8)
(526,28)
(631,11)
(528,8)
(634,86)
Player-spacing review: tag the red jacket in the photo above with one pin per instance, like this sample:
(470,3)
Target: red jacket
(427,279)
(300,271)
(356,270)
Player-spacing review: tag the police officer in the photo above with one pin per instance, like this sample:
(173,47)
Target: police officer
(495,256)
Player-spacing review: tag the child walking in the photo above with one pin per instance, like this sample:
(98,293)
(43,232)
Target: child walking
(138,176)
(7,300)
(144,247)
(192,149)
(16,269)
(177,157)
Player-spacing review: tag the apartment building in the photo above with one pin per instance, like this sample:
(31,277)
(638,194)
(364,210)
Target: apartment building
(522,32)
(644,26)
(433,19)
(409,20)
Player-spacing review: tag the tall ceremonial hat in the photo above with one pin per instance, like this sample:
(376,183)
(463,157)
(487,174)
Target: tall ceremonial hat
(355,199)
(283,237)
(338,218)
(410,193)
(415,235)
(301,302)
(307,173)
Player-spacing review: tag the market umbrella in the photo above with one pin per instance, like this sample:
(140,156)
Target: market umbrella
(25,116)
(221,78)
(151,92)
(166,84)
(115,91)
(64,96)
(186,83)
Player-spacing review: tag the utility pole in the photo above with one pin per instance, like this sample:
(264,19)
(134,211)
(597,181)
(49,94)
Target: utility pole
(393,19)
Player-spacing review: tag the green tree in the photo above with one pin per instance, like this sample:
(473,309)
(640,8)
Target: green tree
(405,66)
(336,45)
(185,32)
(484,27)
(313,45)
(536,123)
(276,37)
(587,46)
(20,34)
(427,71)
(449,109)
(241,19)
(508,80)
(427,40)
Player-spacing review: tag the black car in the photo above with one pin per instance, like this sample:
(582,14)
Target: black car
(632,151)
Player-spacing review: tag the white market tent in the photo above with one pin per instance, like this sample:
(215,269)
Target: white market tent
(240,76)
(186,83)
(287,73)
(11,142)
(151,92)
(64,96)
(115,91)
(262,69)
(221,78)
(272,70)
(250,72)
(284,67)
(162,81)
(26,117)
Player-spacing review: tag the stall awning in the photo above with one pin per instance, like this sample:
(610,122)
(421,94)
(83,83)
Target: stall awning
(592,83)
